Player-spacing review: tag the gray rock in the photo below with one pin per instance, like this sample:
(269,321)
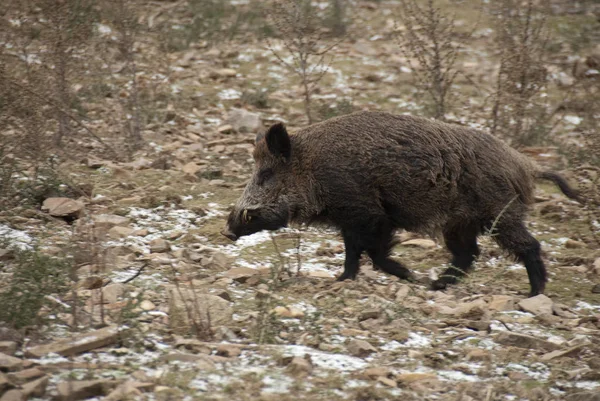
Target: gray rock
(538,305)
(244,121)
(81,390)
(524,341)
(10,363)
(360,348)
(159,245)
(79,343)
(63,207)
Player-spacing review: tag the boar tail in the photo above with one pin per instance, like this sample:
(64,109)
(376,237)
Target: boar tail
(560,181)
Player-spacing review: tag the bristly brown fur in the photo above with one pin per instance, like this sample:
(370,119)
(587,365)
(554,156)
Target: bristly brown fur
(370,173)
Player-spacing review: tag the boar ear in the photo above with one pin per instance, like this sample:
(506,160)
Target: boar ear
(259,137)
(278,141)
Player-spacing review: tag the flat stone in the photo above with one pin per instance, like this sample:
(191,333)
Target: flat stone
(569,352)
(26,375)
(479,355)
(420,243)
(386,381)
(501,303)
(78,344)
(118,232)
(596,266)
(369,314)
(360,348)
(110,220)
(300,366)
(319,274)
(80,390)
(244,121)
(5,383)
(6,254)
(191,168)
(287,312)
(147,305)
(63,207)
(572,244)
(36,388)
(159,245)
(113,292)
(583,396)
(407,378)
(225,73)
(241,274)
(8,347)
(229,350)
(538,305)
(13,395)
(10,363)
(524,341)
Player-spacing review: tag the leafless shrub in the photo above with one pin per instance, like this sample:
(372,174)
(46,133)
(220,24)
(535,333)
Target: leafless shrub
(304,42)
(429,37)
(586,157)
(124,20)
(520,112)
(62,28)
(200,322)
(336,19)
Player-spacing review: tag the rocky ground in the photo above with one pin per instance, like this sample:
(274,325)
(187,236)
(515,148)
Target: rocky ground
(171,310)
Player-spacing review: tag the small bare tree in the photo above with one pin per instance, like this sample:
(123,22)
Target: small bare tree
(64,26)
(521,38)
(429,37)
(124,20)
(297,23)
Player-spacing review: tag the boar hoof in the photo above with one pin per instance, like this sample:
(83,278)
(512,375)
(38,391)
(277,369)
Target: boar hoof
(346,276)
(439,284)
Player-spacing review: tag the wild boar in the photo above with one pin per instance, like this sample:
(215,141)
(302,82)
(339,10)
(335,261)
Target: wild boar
(370,173)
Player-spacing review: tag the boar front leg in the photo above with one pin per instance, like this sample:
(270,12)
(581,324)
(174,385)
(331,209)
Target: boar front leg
(353,252)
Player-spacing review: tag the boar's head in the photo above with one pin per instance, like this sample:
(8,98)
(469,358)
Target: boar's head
(264,205)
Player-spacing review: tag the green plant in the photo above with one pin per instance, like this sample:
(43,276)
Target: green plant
(35,278)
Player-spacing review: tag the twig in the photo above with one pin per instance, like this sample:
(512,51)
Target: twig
(136,274)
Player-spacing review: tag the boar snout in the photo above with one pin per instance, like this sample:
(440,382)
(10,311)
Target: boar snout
(226,232)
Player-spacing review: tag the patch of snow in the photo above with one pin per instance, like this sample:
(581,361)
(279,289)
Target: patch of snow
(229,94)
(320,359)
(515,266)
(16,238)
(455,375)
(537,371)
(587,385)
(280,384)
(581,305)
(415,340)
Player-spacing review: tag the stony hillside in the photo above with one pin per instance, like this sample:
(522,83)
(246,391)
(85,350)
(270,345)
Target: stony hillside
(150,302)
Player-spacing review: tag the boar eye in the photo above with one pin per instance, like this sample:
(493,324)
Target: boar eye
(264,175)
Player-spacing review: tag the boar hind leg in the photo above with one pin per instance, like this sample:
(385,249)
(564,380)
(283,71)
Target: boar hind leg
(383,262)
(379,252)
(462,243)
(353,251)
(515,238)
